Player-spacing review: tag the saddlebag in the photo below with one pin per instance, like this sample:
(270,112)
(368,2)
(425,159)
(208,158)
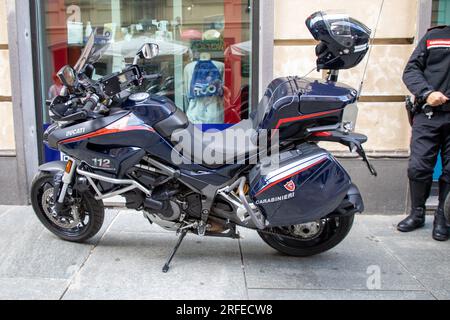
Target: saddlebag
(308,184)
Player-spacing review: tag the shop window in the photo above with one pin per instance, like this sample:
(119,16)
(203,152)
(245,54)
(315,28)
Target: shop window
(441,12)
(205,58)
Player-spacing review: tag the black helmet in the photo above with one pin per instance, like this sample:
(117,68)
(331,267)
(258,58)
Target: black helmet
(343,41)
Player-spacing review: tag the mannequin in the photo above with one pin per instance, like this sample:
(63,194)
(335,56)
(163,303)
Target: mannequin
(203,81)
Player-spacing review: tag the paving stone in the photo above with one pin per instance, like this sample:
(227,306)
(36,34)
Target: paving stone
(5,209)
(344,267)
(437,284)
(31,289)
(28,250)
(134,221)
(129,265)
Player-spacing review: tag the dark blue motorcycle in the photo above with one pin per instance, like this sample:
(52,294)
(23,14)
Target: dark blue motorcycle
(295,194)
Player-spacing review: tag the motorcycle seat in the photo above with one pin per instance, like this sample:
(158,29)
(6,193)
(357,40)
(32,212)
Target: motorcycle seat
(214,149)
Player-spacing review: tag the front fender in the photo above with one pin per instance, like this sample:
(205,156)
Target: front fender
(55,166)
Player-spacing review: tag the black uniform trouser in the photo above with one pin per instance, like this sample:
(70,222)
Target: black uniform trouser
(429,137)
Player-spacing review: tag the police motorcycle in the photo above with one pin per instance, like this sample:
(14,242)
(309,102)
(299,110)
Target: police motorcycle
(123,143)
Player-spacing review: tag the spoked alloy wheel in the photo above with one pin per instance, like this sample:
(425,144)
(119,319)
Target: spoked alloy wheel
(82,216)
(310,238)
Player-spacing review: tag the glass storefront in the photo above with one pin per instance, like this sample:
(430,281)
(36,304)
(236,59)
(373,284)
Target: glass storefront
(205,49)
(441,12)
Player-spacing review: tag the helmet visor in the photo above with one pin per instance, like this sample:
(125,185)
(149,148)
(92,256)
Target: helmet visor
(340,28)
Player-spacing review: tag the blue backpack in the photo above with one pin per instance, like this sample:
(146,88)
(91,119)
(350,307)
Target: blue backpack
(206,81)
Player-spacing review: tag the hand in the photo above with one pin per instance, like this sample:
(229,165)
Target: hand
(437,99)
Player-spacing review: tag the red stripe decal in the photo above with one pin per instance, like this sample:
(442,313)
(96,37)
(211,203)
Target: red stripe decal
(290,176)
(438,43)
(305,117)
(106,131)
(116,127)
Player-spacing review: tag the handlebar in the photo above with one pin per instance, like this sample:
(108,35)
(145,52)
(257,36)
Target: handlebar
(80,109)
(152,77)
(69,107)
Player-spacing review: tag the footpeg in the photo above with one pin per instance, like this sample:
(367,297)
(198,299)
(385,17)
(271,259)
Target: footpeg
(202,229)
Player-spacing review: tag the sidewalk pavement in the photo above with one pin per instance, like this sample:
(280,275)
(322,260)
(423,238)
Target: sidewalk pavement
(125,260)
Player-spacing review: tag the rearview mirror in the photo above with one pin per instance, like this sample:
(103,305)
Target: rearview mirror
(148,51)
(89,70)
(68,76)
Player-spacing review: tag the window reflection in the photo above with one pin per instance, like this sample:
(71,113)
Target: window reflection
(440,12)
(205,49)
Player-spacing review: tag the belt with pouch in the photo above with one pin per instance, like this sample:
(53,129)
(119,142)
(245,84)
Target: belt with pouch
(429,111)
(415,107)
(443,108)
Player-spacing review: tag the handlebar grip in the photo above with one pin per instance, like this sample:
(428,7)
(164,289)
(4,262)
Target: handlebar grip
(152,77)
(90,105)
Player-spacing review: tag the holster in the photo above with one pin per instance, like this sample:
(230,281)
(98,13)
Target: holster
(413,107)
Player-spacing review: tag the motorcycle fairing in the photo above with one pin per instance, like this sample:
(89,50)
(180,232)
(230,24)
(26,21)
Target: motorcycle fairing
(128,135)
(56,135)
(124,124)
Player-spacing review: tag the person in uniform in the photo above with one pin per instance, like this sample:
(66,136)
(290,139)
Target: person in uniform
(427,76)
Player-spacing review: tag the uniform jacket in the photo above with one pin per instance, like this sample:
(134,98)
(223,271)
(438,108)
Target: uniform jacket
(429,66)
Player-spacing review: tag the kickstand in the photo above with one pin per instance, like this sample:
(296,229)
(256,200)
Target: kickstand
(174,251)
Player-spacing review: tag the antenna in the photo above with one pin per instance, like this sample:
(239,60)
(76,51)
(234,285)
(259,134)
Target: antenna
(370,50)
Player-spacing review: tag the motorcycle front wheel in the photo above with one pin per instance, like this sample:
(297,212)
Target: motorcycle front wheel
(308,239)
(82,217)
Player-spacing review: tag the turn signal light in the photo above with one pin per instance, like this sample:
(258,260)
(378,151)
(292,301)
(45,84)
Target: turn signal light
(69,166)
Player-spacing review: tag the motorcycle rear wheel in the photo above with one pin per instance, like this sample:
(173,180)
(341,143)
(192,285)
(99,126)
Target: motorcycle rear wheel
(90,211)
(334,232)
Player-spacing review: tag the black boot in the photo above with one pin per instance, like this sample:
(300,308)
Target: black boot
(420,192)
(440,226)
(444,190)
(414,221)
(440,229)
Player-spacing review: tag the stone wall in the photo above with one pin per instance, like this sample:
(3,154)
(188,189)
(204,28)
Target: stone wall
(381,110)
(7,142)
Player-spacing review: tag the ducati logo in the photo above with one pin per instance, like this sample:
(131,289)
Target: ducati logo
(75,132)
(290,186)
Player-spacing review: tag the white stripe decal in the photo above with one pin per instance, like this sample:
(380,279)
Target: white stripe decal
(292,168)
(432,47)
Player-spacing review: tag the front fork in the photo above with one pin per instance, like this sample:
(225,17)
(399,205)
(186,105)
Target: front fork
(61,188)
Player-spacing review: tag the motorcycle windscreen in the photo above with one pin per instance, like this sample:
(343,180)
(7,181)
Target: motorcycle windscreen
(308,186)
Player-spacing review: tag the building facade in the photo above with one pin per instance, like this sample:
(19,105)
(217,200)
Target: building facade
(13,183)
(250,42)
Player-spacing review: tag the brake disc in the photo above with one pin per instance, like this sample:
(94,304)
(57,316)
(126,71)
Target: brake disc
(48,204)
